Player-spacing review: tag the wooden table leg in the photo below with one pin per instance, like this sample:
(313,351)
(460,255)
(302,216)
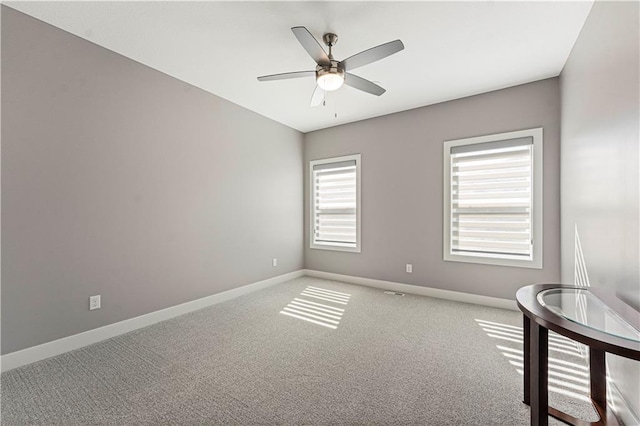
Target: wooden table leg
(598,371)
(539,358)
(598,379)
(527,359)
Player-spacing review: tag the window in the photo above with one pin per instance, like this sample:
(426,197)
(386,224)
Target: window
(335,203)
(493,199)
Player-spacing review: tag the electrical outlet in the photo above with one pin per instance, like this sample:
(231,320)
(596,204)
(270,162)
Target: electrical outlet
(274,262)
(409,268)
(94,302)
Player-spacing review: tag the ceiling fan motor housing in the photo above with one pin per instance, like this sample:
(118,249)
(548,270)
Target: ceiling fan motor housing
(334,68)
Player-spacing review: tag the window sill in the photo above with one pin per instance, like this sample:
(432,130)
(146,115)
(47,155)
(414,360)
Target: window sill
(335,247)
(494,261)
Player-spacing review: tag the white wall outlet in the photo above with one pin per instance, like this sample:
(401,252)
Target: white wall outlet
(409,268)
(94,302)
(274,262)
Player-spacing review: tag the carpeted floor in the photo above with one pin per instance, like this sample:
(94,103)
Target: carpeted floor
(308,351)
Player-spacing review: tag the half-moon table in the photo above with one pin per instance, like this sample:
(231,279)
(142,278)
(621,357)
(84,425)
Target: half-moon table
(591,316)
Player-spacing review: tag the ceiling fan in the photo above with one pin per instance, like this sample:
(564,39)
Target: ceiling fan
(330,74)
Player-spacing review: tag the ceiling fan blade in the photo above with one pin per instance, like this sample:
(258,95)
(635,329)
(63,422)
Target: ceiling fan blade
(364,85)
(287,75)
(317,97)
(371,55)
(311,45)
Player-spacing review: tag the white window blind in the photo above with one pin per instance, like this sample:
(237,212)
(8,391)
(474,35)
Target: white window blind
(492,199)
(335,203)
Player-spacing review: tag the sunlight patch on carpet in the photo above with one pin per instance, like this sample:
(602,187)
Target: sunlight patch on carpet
(318,313)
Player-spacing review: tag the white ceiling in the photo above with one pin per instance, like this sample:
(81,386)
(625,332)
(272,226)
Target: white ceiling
(452,49)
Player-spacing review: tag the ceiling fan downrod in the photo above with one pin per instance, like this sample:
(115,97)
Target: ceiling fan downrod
(330,39)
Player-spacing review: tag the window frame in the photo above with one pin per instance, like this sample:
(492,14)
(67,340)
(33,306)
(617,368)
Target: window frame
(536,208)
(312,206)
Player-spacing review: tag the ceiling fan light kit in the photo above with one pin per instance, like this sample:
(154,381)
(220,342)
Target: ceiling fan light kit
(331,74)
(330,79)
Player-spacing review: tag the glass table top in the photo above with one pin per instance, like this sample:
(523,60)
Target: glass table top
(583,307)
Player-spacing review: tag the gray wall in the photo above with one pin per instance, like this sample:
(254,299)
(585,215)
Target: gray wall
(402,189)
(600,183)
(121,181)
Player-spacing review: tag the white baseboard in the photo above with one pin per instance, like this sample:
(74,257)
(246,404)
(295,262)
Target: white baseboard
(36,353)
(416,289)
(66,344)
